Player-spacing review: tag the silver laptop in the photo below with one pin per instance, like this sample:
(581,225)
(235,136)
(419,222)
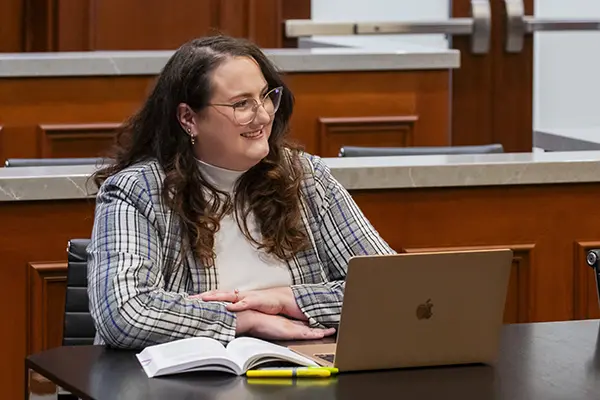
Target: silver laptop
(419,309)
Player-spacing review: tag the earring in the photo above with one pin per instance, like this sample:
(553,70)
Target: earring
(192,138)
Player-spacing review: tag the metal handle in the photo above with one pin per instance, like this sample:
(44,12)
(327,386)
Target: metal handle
(478,27)
(518,25)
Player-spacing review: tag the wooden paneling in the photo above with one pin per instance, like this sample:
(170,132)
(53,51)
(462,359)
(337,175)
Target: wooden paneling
(39,232)
(76,140)
(67,25)
(372,94)
(73,117)
(74,19)
(547,217)
(517,306)
(294,10)
(46,287)
(492,94)
(586,292)
(148,24)
(375,131)
(542,224)
(11,25)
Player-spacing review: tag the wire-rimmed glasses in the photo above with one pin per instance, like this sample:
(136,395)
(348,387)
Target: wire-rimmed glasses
(245,110)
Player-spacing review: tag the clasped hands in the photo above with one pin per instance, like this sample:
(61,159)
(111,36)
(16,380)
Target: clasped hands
(269,313)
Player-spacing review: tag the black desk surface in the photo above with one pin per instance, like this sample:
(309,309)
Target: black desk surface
(538,361)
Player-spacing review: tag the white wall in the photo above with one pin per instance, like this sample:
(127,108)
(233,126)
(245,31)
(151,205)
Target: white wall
(567,69)
(382,10)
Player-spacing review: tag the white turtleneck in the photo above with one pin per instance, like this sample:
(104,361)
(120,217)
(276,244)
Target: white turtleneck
(240,265)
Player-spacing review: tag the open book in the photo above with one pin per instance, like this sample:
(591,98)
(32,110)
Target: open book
(206,354)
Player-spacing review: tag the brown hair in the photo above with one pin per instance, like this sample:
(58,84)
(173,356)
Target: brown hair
(270,189)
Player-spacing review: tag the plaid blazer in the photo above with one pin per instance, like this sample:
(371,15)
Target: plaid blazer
(135,234)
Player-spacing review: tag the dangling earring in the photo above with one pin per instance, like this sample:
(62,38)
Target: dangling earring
(192,138)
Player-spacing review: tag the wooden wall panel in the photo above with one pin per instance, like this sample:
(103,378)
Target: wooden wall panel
(73,117)
(73,19)
(294,10)
(372,94)
(11,25)
(517,308)
(148,24)
(75,140)
(586,292)
(39,232)
(492,93)
(548,217)
(334,133)
(542,224)
(83,25)
(46,287)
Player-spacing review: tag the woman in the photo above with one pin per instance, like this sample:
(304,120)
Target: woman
(208,223)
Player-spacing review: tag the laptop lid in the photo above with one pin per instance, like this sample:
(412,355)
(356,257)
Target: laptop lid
(423,309)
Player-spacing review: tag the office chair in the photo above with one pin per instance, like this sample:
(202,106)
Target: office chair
(51,162)
(78,328)
(355,151)
(593,260)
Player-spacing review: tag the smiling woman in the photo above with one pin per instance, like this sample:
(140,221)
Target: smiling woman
(210,223)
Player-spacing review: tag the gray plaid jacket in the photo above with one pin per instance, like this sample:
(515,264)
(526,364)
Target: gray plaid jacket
(135,234)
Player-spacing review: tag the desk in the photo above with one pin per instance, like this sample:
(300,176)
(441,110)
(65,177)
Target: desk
(544,206)
(558,360)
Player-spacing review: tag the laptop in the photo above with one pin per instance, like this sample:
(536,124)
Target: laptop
(419,310)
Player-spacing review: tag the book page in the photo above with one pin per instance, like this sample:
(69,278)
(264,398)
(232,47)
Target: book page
(249,352)
(182,355)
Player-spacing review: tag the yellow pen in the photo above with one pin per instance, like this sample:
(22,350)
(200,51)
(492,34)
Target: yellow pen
(288,373)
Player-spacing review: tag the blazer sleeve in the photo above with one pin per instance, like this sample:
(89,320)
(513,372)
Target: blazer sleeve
(345,232)
(128,302)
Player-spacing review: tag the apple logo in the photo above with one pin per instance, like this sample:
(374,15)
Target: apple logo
(424,310)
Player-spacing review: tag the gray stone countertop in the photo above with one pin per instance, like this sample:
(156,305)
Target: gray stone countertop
(127,63)
(71,182)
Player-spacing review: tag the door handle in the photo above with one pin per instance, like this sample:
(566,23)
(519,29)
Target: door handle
(478,27)
(518,25)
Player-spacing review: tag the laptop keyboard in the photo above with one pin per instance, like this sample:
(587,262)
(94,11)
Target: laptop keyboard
(326,356)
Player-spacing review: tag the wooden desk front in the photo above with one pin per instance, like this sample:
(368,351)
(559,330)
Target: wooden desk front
(550,228)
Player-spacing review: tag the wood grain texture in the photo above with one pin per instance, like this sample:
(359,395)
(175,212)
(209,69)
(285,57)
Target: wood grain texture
(492,94)
(512,118)
(84,25)
(543,224)
(372,94)
(471,89)
(39,232)
(148,24)
(76,113)
(336,133)
(517,308)
(11,25)
(46,288)
(76,140)
(585,299)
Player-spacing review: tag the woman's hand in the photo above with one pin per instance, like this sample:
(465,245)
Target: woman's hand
(276,327)
(268,301)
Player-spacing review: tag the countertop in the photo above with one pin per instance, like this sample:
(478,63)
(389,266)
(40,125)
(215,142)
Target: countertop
(362,173)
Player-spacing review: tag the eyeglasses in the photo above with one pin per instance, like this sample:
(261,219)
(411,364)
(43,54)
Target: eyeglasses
(244,111)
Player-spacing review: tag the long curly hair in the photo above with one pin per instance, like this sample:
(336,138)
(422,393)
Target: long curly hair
(270,190)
